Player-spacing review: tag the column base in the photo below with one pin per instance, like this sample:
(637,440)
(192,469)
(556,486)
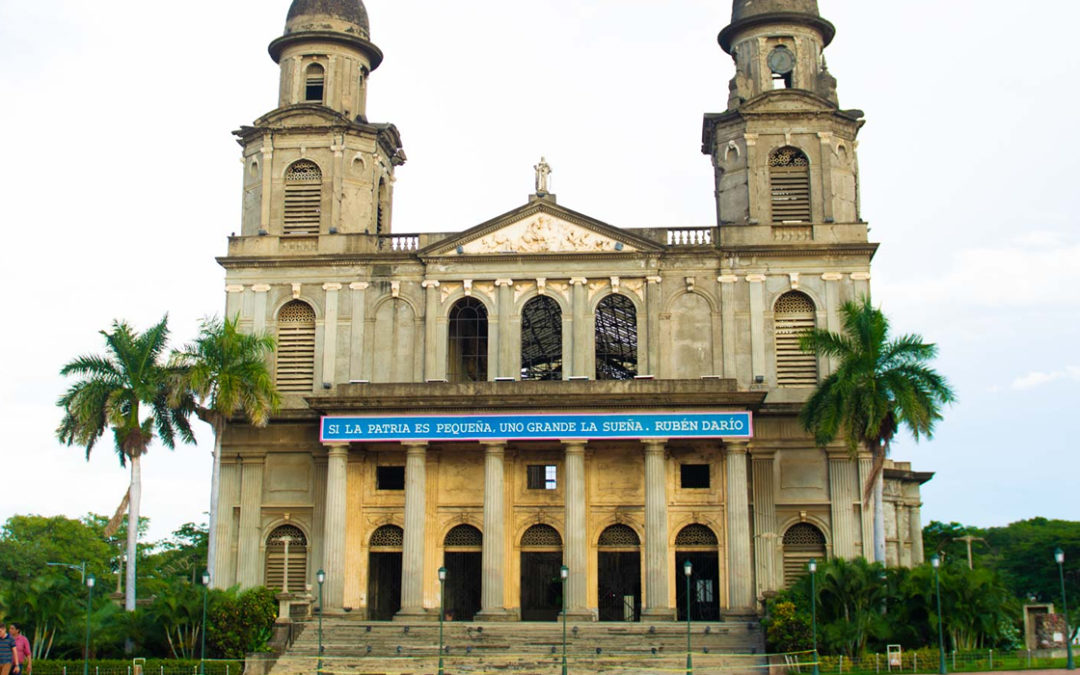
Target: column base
(417,614)
(497,615)
(661,614)
(581,615)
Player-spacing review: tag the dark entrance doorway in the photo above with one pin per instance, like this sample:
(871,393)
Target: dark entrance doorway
(541,586)
(619,574)
(384,573)
(463,559)
(698,544)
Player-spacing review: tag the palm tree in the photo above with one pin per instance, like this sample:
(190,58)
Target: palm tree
(879,386)
(225,370)
(114,390)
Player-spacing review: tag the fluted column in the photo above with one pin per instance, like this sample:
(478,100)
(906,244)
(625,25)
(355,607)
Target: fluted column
(918,556)
(249,544)
(330,334)
(432,363)
(653,301)
(765,534)
(740,573)
(574,361)
(506,366)
(843,486)
(493,558)
(259,310)
(334,526)
(575,553)
(412,552)
(657,603)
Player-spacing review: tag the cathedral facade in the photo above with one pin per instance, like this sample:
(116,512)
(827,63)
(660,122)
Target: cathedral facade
(546,408)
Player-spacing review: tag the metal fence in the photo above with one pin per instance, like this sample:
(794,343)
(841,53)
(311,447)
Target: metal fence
(924,661)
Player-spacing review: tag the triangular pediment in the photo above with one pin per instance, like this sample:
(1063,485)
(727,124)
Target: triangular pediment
(542,227)
(787,100)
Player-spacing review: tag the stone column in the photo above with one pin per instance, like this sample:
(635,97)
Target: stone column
(918,556)
(249,544)
(330,326)
(356,333)
(433,368)
(765,534)
(757,325)
(653,300)
(740,572)
(657,603)
(505,366)
(412,554)
(234,300)
(494,551)
(228,497)
(334,526)
(866,507)
(727,323)
(575,552)
(824,169)
(573,358)
(842,494)
(258,312)
(267,168)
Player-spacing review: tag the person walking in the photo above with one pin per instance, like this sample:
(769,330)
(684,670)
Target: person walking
(22,647)
(9,657)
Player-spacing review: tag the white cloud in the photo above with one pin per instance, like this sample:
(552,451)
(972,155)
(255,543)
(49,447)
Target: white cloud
(1038,378)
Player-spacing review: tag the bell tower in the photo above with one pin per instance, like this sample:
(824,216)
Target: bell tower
(784,151)
(315,165)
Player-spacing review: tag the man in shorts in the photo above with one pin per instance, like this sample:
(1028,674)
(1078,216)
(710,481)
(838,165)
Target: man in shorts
(22,646)
(9,658)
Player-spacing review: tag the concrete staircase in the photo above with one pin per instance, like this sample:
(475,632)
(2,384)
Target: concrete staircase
(354,647)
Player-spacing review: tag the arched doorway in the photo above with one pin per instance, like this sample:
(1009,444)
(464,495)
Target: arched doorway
(802,541)
(698,544)
(541,586)
(618,578)
(384,572)
(463,559)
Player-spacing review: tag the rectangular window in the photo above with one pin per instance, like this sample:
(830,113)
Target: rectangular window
(390,478)
(694,476)
(542,477)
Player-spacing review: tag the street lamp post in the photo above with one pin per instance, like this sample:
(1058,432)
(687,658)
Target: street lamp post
(564,574)
(935,561)
(1059,557)
(89,602)
(687,570)
(202,649)
(320,577)
(812,566)
(442,610)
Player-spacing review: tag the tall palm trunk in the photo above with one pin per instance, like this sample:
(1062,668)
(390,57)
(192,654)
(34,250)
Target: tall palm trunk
(218,425)
(135,496)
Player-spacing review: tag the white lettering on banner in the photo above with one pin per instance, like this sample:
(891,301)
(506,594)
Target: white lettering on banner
(463,428)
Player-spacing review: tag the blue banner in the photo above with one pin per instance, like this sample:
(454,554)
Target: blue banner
(537,427)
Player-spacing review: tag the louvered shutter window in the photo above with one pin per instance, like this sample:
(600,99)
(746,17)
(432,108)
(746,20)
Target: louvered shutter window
(303,198)
(314,83)
(802,542)
(541,536)
(296,348)
(275,559)
(789,183)
(793,317)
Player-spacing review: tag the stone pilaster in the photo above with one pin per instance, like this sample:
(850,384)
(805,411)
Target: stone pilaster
(757,325)
(573,354)
(224,571)
(234,300)
(740,570)
(249,544)
(917,554)
(412,553)
(433,365)
(330,330)
(653,301)
(657,600)
(728,284)
(334,526)
(765,534)
(356,332)
(843,488)
(259,311)
(506,365)
(866,508)
(494,551)
(575,553)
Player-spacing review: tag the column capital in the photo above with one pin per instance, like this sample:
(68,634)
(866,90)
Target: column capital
(654,279)
(574,445)
(336,449)
(736,447)
(418,448)
(832,276)
(578,281)
(860,276)
(504,282)
(763,453)
(654,444)
(837,454)
(261,288)
(494,447)
(429,283)
(359,286)
(234,288)
(331,287)
(755,278)
(727,278)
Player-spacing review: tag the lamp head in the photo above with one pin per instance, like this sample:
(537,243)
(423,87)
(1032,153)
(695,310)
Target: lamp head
(935,561)
(687,568)
(1059,555)
(206,578)
(320,576)
(442,574)
(90,580)
(812,566)
(564,572)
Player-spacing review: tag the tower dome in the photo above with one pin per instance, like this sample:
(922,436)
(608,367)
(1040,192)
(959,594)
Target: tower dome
(751,13)
(338,16)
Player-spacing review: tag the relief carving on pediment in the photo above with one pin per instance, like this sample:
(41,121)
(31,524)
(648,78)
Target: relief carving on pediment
(543,234)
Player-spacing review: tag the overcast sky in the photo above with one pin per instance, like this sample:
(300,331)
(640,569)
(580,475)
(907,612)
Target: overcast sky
(121,181)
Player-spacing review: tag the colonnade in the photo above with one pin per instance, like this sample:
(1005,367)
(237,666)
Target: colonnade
(657,604)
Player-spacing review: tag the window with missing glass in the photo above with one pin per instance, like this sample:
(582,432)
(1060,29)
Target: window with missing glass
(390,478)
(694,476)
(542,477)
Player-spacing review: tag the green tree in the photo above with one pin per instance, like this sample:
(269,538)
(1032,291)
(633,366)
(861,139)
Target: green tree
(879,386)
(113,391)
(787,629)
(225,370)
(240,622)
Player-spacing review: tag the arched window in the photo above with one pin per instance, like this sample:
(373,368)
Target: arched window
(286,555)
(619,536)
(303,198)
(541,340)
(789,184)
(468,341)
(314,83)
(696,535)
(616,338)
(542,537)
(464,537)
(388,537)
(793,317)
(802,542)
(296,348)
